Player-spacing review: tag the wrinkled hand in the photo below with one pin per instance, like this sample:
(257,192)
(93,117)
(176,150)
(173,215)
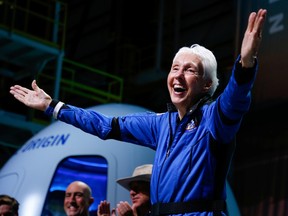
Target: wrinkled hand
(124,209)
(36,98)
(252,38)
(103,208)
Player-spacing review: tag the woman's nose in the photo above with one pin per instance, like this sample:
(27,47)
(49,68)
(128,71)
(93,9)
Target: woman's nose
(179,73)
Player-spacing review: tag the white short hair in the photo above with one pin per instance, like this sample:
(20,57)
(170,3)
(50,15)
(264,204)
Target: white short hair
(208,61)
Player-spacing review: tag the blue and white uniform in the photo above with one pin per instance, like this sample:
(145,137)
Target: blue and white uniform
(192,155)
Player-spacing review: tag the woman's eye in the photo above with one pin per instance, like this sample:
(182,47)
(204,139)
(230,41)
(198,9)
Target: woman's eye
(174,70)
(192,71)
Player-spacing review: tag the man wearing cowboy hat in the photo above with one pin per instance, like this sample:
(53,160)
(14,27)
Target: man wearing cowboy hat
(138,186)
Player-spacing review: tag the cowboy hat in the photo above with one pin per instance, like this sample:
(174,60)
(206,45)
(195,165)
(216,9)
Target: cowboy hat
(141,173)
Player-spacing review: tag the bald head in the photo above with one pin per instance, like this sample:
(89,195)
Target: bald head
(78,198)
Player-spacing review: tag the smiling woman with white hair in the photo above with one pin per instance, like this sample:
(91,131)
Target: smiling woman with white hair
(193,140)
(209,64)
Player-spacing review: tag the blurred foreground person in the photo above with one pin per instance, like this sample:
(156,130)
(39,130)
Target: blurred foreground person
(9,206)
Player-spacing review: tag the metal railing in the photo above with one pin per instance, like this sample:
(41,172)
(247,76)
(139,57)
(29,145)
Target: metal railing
(44,21)
(40,20)
(90,83)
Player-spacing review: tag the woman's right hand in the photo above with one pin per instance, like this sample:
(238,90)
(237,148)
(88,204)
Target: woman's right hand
(36,98)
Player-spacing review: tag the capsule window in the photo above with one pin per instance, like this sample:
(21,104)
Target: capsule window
(90,169)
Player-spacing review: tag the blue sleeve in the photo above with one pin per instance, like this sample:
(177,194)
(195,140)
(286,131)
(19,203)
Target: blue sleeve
(89,121)
(236,98)
(139,128)
(135,128)
(233,103)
